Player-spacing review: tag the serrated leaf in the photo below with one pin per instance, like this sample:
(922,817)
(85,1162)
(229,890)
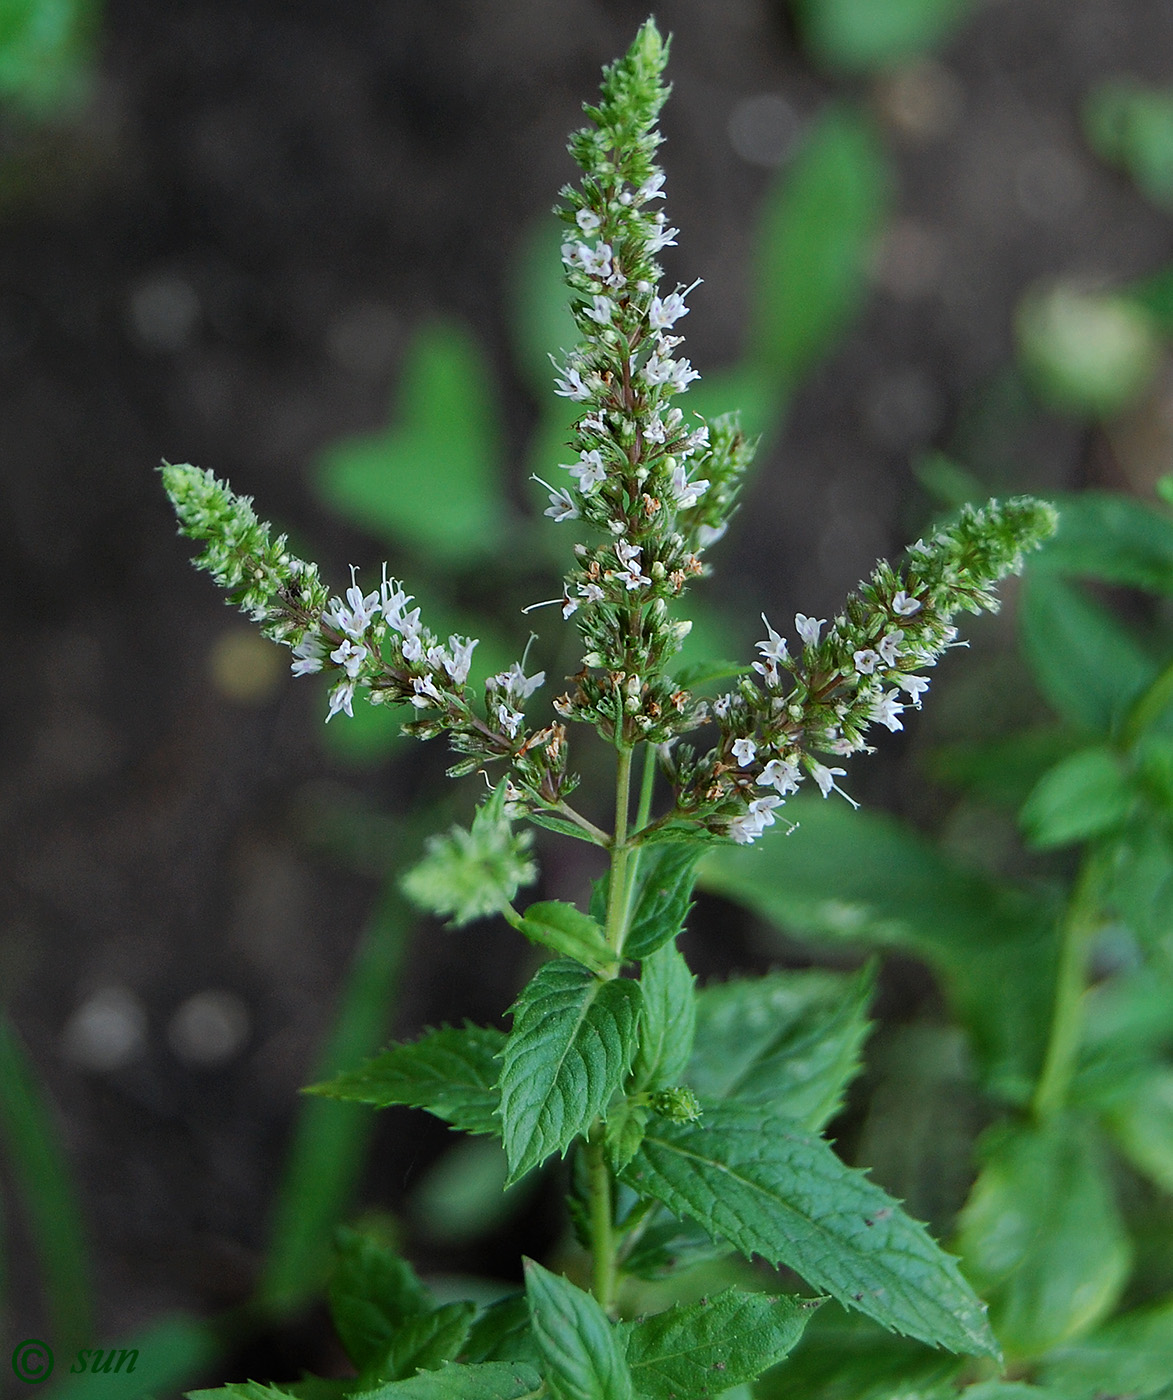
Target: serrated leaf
(1086,662)
(1084,795)
(424,1342)
(582,1352)
(1130,1355)
(858,36)
(668,1245)
(668,1019)
(667,875)
(450,1072)
(570,932)
(490,1380)
(371,1294)
(815,238)
(1041,1236)
(790,1039)
(503,1333)
(715,1344)
(863,878)
(445,413)
(241,1390)
(759,1181)
(625,1132)
(571,1046)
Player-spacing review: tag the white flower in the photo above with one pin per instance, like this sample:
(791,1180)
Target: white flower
(721,705)
(393,600)
(825,777)
(759,815)
(710,534)
(744,751)
(774,646)
(682,376)
(515,683)
(886,708)
(562,505)
(768,670)
(657,370)
(602,309)
(762,808)
(654,431)
(684,492)
(903,605)
(350,656)
(808,628)
(866,661)
(569,385)
(591,592)
(587,220)
(356,615)
(662,238)
(889,647)
(628,553)
(341,698)
(592,423)
(666,311)
(309,652)
(589,472)
(425,692)
(413,647)
(914,686)
(780,773)
(509,720)
(651,187)
(573,253)
(459,663)
(695,440)
(633,578)
(569,606)
(597,260)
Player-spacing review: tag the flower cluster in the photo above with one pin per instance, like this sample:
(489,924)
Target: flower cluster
(372,643)
(657,487)
(824,696)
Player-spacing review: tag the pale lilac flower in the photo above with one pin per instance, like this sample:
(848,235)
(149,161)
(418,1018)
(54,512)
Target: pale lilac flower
(569,384)
(459,663)
(721,705)
(666,311)
(602,309)
(651,187)
(509,720)
(915,686)
(309,652)
(350,656)
(425,692)
(889,647)
(780,773)
(774,647)
(591,592)
(768,670)
(654,431)
(628,553)
(681,376)
(515,683)
(574,254)
(686,493)
(589,472)
(903,605)
(633,578)
(587,220)
(744,751)
(341,698)
(886,709)
(710,534)
(808,628)
(866,661)
(825,777)
(658,370)
(597,260)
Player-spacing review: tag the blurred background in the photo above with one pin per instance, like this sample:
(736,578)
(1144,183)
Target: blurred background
(309,247)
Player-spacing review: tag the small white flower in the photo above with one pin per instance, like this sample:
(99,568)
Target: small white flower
(589,472)
(569,384)
(597,260)
(866,661)
(591,592)
(658,370)
(886,710)
(780,773)
(774,647)
(666,311)
(889,647)
(684,492)
(350,656)
(592,423)
(825,777)
(721,705)
(762,808)
(509,720)
(562,504)
(744,751)
(341,698)
(915,686)
(515,683)
(459,663)
(654,431)
(710,534)
(628,553)
(662,238)
(682,376)
(768,670)
(651,187)
(412,648)
(309,652)
(903,605)
(587,220)
(602,310)
(633,579)
(569,606)
(425,692)
(808,628)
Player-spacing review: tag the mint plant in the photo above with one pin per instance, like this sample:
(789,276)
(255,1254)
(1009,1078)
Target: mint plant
(692,1119)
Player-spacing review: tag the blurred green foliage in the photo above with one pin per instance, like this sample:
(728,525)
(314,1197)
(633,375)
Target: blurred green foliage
(46,52)
(859,36)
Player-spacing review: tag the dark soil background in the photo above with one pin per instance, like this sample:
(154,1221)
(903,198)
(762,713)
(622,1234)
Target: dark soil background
(221,262)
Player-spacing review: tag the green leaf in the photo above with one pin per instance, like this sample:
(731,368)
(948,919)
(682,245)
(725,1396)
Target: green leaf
(446,413)
(1111,537)
(706,672)
(463,1196)
(569,931)
(625,1132)
(241,1390)
(1085,795)
(491,1380)
(757,1180)
(372,1293)
(666,878)
(572,1043)
(46,51)
(668,1020)
(1131,127)
(1001,771)
(1140,1120)
(472,874)
(503,1333)
(864,879)
(1041,1236)
(1086,663)
(715,1344)
(843,1356)
(1140,890)
(668,1246)
(172,1352)
(581,1351)
(561,826)
(859,36)
(1131,1355)
(424,1342)
(790,1039)
(815,238)
(450,1072)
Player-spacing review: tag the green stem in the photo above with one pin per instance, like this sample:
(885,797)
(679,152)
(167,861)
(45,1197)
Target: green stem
(616,930)
(604,1270)
(1080,922)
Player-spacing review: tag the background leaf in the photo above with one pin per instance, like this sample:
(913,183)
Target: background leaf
(372,1293)
(492,1380)
(668,1020)
(860,35)
(572,1043)
(754,1178)
(1131,1355)
(1085,795)
(581,1351)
